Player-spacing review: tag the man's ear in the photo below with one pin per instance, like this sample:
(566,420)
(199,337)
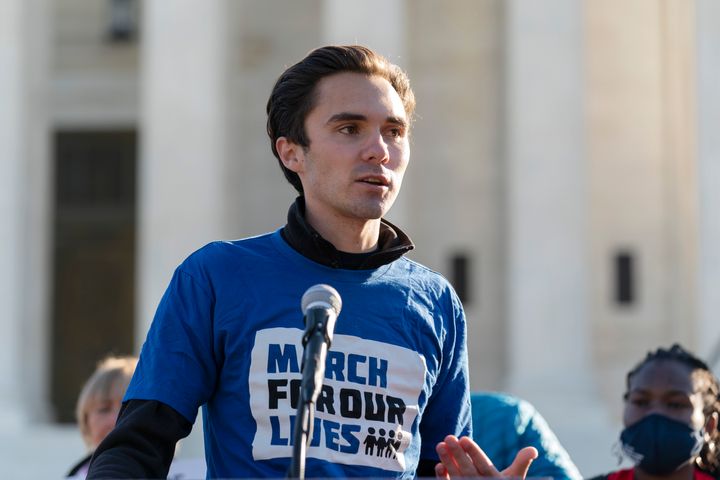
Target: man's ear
(291,154)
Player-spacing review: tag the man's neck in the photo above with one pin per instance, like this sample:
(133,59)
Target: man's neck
(393,243)
(350,236)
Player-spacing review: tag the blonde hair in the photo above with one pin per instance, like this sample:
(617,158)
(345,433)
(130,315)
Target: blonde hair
(109,381)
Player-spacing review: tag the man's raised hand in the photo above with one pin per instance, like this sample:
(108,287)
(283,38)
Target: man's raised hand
(464,458)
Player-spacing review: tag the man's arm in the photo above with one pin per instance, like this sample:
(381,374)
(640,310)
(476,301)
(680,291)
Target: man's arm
(142,444)
(448,410)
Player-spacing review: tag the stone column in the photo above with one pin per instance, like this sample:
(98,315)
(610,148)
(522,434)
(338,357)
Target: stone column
(184,147)
(23,211)
(183,139)
(708,156)
(549,347)
(13,96)
(548,196)
(359,23)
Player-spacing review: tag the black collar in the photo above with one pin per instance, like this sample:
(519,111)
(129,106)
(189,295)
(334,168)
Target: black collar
(392,244)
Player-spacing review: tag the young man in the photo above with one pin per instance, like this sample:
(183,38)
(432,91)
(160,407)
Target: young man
(227,334)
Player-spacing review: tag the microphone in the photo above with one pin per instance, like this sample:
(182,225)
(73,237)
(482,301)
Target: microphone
(321,306)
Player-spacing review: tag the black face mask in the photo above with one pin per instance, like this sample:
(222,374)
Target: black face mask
(659,445)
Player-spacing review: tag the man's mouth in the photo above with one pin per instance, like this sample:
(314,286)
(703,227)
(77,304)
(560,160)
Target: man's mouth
(379,181)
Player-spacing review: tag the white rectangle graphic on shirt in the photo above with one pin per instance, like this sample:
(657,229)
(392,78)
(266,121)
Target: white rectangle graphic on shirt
(365,412)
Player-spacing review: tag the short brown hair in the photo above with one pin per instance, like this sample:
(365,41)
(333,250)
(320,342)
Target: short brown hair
(293,96)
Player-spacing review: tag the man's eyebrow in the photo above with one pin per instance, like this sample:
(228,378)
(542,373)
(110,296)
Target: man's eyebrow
(345,116)
(397,121)
(349,116)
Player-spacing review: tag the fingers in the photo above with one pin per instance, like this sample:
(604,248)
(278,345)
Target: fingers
(481,462)
(464,458)
(521,464)
(454,458)
(441,472)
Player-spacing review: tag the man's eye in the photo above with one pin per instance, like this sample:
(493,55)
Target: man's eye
(349,129)
(639,402)
(395,133)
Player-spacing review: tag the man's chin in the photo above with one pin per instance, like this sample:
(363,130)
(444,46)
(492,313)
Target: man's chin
(371,213)
(368,207)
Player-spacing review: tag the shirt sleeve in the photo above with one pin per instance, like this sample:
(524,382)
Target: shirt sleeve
(142,444)
(448,411)
(177,364)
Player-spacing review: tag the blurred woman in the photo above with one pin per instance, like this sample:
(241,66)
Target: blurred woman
(99,403)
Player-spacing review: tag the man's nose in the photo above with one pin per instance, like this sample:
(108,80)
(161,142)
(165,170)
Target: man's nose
(376,149)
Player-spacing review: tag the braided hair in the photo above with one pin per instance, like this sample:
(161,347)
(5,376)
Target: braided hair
(709,458)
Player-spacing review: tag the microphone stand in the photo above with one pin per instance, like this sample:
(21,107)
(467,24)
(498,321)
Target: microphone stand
(316,341)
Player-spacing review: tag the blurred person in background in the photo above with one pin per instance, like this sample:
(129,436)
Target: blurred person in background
(671,419)
(97,411)
(99,403)
(503,424)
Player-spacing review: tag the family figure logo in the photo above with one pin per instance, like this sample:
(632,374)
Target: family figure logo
(384,447)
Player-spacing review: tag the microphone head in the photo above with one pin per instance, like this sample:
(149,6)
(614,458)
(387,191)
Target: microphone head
(321,295)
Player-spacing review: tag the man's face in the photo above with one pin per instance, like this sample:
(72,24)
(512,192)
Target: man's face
(358,152)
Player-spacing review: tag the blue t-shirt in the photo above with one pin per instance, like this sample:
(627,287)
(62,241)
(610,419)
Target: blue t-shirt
(227,337)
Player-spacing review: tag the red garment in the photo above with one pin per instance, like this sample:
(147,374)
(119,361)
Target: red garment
(629,474)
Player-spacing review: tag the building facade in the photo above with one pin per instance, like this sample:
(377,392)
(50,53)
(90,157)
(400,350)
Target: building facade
(564,176)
